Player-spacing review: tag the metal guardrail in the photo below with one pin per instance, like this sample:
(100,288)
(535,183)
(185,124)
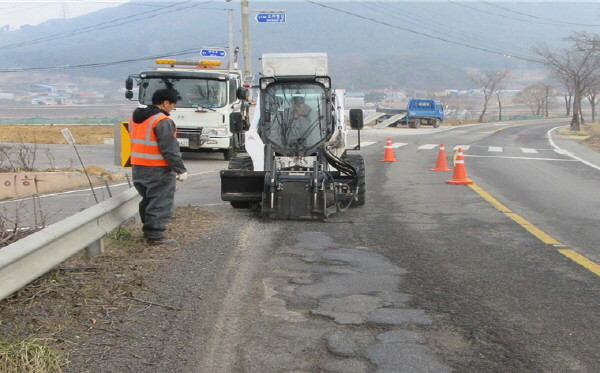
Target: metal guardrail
(29,258)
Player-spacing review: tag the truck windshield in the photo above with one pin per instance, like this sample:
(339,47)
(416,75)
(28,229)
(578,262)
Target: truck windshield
(294,117)
(192,92)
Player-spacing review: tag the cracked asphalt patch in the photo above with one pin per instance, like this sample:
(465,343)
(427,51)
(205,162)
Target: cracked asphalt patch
(356,319)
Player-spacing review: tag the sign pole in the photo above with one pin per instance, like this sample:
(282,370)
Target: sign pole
(71,140)
(231,41)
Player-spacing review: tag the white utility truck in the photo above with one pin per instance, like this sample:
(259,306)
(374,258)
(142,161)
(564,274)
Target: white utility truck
(207,97)
(299,166)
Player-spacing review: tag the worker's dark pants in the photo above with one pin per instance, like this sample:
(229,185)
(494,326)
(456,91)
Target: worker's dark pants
(156,185)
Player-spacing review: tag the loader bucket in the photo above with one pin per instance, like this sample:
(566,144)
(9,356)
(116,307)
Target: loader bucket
(242,185)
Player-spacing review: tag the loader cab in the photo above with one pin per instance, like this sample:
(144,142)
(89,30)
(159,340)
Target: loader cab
(295,117)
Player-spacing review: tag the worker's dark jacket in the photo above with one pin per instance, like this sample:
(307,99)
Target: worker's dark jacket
(156,159)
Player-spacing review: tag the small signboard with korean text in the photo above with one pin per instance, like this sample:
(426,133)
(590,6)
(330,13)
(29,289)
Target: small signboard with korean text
(270,17)
(213,52)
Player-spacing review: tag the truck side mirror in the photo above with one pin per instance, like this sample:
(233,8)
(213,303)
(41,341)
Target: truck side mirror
(236,123)
(129,95)
(129,83)
(356,119)
(242,93)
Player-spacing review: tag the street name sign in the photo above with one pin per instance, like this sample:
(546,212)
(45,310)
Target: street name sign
(212,52)
(270,17)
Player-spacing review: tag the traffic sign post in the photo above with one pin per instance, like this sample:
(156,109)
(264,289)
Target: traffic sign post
(270,17)
(212,52)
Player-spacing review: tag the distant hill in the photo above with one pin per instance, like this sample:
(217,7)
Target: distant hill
(371,44)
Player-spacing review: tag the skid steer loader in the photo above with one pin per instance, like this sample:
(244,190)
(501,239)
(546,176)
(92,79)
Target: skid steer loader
(298,164)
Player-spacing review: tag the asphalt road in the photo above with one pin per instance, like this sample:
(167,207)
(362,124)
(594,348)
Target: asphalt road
(426,277)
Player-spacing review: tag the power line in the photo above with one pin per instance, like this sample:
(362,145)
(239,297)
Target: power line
(503,15)
(416,19)
(108,24)
(423,34)
(103,64)
(536,17)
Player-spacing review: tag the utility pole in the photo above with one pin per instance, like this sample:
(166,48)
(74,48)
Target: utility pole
(63,10)
(231,41)
(246,38)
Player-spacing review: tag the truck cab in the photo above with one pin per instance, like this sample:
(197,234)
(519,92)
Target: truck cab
(207,97)
(424,111)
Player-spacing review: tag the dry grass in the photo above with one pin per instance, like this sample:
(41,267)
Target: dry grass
(29,356)
(593,139)
(566,131)
(589,135)
(83,307)
(458,122)
(50,134)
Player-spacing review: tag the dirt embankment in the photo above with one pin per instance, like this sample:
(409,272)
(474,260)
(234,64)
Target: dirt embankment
(50,134)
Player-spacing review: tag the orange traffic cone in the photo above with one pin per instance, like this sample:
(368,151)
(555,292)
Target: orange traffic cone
(441,165)
(388,153)
(460,171)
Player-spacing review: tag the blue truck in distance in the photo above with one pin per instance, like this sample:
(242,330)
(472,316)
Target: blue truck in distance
(418,111)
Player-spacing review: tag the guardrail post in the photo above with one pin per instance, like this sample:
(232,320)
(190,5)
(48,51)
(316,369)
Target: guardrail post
(94,249)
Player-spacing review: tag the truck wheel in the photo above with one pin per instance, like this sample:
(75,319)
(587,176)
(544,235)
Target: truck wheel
(436,123)
(357,161)
(229,153)
(415,123)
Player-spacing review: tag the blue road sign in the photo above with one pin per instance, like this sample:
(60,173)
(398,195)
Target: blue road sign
(212,53)
(270,17)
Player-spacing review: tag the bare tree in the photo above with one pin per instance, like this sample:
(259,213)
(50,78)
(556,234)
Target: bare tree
(577,63)
(501,86)
(593,94)
(568,93)
(491,83)
(537,97)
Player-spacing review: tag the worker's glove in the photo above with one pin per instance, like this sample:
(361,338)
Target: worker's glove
(182,176)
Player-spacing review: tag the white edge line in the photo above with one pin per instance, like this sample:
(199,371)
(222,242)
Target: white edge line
(527,158)
(80,190)
(568,153)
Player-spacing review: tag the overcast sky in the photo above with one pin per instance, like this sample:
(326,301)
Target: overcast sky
(33,12)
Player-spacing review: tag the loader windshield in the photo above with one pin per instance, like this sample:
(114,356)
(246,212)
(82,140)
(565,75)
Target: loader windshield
(207,93)
(295,117)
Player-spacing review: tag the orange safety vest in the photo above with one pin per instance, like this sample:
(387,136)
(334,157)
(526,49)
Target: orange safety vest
(144,144)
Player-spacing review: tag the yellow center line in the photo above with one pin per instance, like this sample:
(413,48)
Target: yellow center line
(500,129)
(538,233)
(488,197)
(581,260)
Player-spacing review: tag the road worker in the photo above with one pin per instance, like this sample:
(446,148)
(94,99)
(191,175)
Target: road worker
(157,164)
